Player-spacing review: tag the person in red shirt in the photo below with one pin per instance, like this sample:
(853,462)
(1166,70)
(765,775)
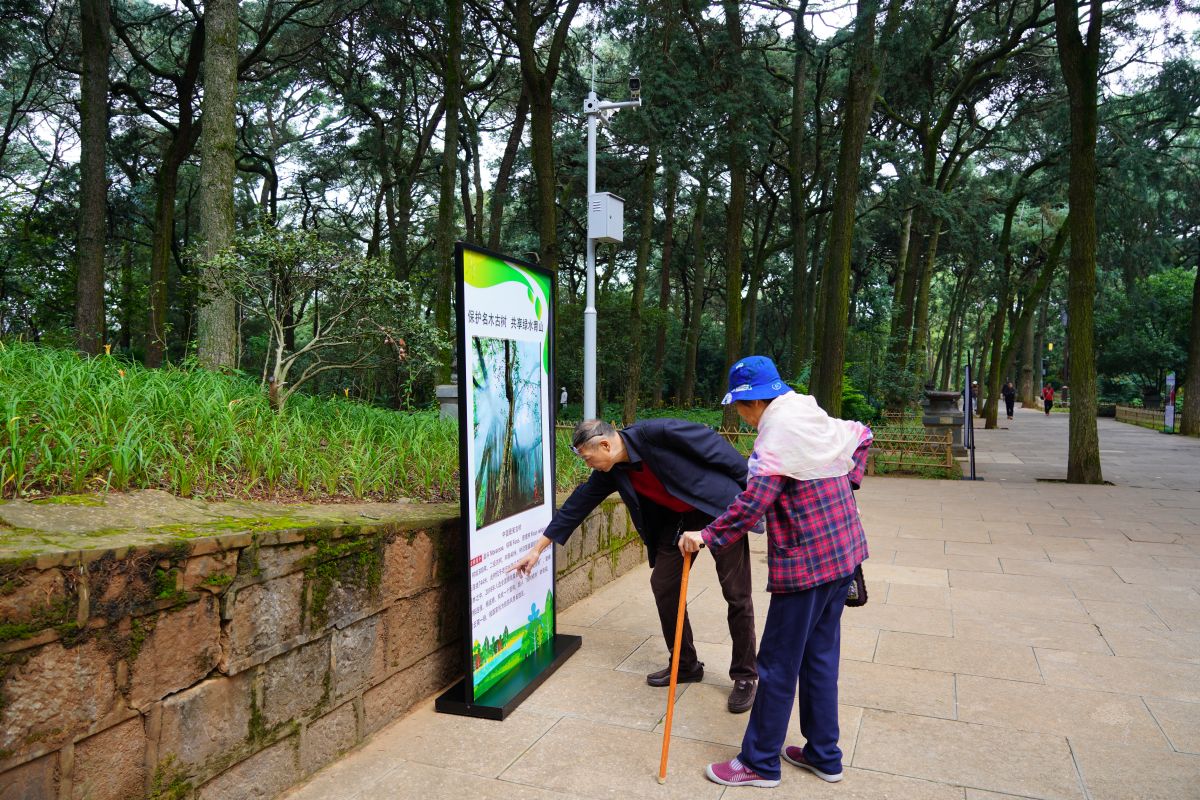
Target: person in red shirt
(671,475)
(1048,397)
(803,472)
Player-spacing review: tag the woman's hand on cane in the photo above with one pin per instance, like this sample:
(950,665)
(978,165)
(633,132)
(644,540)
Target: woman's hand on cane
(690,542)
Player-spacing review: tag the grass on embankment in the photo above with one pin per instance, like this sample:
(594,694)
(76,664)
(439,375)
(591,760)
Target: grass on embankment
(73,425)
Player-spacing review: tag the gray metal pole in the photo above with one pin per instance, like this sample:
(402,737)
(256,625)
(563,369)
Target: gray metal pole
(593,108)
(589,310)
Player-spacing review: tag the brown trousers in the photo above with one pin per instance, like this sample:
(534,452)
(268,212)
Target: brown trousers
(733,572)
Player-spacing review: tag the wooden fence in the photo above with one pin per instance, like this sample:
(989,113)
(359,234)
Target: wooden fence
(913,452)
(904,450)
(1140,416)
(893,451)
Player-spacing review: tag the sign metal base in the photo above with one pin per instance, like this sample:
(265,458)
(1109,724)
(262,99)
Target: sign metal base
(503,698)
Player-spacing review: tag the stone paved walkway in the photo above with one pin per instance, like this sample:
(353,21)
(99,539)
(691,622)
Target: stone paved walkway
(1022,639)
(1034,446)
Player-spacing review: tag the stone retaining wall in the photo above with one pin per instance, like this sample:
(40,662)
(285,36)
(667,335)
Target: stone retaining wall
(234,666)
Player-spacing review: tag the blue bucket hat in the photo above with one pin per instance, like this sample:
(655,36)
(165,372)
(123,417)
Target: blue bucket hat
(754,378)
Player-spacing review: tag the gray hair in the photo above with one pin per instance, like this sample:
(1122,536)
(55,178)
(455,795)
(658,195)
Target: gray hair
(590,429)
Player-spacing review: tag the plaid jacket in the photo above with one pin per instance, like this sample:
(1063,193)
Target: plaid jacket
(813,529)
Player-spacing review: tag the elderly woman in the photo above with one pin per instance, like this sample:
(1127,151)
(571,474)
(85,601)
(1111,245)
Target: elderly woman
(802,474)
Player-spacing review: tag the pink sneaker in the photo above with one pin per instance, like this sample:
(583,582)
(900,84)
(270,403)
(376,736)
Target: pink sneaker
(735,773)
(795,755)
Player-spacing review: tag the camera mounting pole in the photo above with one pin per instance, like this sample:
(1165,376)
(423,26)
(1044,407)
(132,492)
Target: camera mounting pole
(605,223)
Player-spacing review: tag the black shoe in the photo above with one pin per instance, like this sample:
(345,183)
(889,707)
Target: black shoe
(742,696)
(663,676)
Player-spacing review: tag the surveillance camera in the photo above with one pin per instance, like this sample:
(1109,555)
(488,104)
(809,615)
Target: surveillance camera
(635,86)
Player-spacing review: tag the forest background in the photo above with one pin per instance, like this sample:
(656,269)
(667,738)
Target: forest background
(873,194)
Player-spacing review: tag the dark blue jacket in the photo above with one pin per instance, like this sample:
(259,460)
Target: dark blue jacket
(693,462)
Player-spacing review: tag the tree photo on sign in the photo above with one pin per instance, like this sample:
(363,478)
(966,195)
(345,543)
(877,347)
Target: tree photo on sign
(506,378)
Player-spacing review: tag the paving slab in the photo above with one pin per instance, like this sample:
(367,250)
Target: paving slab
(1117,773)
(583,758)
(1179,721)
(1012,662)
(966,754)
(1039,708)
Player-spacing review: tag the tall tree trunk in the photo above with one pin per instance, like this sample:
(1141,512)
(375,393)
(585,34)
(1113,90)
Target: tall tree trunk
(633,385)
(664,286)
(979,366)
(953,365)
(996,359)
(216,323)
(797,210)
(901,262)
(500,187)
(735,211)
(398,227)
(919,347)
(477,179)
(542,153)
(1189,423)
(1023,326)
(904,316)
(945,348)
(810,296)
(757,267)
(405,170)
(1080,62)
(696,302)
(93,186)
(539,68)
(1025,390)
(165,185)
(960,336)
(1004,257)
(375,244)
(452,90)
(826,385)
(127,295)
(464,185)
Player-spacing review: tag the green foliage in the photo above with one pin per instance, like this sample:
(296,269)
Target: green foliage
(1142,332)
(337,140)
(73,424)
(854,402)
(361,317)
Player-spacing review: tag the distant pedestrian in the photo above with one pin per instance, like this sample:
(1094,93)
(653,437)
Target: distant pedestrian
(1009,392)
(562,399)
(975,398)
(1048,397)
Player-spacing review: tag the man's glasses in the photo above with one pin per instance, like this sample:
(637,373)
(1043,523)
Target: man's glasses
(575,447)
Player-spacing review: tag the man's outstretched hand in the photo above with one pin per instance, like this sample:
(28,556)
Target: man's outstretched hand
(525,564)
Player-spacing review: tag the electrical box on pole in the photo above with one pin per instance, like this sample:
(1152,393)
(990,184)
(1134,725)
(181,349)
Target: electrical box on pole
(606,218)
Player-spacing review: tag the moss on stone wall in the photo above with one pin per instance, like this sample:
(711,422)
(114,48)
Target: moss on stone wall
(169,782)
(350,560)
(69,500)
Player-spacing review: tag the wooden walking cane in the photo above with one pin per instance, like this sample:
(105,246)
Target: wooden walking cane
(683,583)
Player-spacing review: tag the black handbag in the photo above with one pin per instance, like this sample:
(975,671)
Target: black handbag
(856,595)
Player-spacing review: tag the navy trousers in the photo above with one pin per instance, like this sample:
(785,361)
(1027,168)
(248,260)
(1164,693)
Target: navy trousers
(800,647)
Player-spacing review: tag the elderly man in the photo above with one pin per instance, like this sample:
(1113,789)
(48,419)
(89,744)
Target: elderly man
(673,476)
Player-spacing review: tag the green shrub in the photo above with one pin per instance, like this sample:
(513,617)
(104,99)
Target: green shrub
(75,424)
